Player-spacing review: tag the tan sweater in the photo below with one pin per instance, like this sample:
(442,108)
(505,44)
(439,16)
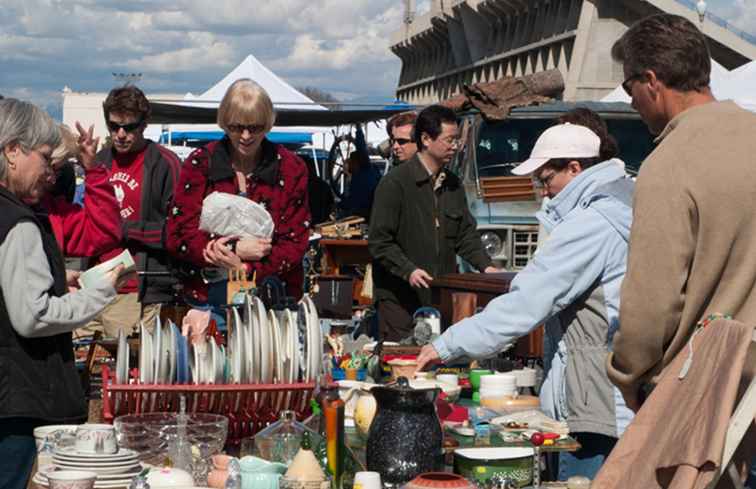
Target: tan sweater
(693,240)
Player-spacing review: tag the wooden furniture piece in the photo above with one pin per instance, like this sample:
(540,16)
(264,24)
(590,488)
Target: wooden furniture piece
(486,286)
(341,252)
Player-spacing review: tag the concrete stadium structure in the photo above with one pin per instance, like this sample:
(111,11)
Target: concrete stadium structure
(467,41)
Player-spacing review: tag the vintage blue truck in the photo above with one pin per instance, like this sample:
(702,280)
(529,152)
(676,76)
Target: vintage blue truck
(505,205)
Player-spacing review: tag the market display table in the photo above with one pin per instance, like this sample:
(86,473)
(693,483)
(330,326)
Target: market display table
(485,287)
(356,444)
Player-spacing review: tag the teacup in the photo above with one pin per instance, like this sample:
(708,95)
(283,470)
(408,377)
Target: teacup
(53,432)
(367,480)
(71,479)
(96,438)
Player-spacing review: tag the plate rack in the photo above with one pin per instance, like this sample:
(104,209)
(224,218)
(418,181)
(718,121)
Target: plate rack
(249,407)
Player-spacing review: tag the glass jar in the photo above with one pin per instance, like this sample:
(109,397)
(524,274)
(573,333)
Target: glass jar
(429,316)
(278,442)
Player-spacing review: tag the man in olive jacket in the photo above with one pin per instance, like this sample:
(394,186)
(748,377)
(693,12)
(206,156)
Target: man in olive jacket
(420,222)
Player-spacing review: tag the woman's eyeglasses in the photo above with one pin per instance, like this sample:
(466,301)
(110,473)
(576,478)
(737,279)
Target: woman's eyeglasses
(543,182)
(240,128)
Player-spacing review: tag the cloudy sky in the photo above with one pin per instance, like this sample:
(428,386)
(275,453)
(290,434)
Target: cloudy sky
(340,46)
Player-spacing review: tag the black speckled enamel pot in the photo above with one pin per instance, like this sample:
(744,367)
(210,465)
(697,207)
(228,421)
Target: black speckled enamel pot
(405,438)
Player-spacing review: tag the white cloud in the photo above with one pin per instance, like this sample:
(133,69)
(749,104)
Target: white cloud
(744,15)
(215,54)
(341,46)
(186,45)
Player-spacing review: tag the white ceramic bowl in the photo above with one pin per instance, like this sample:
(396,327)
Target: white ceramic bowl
(498,381)
(71,479)
(452,379)
(40,432)
(169,477)
(452,391)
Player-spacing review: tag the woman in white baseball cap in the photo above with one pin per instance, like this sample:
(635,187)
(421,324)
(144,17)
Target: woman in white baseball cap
(572,284)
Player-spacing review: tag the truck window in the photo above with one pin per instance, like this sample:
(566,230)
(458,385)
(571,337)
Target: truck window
(503,145)
(635,142)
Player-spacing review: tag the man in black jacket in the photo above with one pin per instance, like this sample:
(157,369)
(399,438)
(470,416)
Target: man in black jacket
(420,223)
(143,174)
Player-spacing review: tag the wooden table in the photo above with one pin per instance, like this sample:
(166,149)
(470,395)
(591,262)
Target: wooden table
(486,286)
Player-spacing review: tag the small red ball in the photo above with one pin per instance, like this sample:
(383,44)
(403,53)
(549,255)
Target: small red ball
(537,438)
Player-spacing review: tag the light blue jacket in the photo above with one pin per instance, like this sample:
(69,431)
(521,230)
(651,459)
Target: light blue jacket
(573,285)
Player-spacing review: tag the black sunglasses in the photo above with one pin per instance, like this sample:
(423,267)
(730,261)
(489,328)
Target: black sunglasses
(252,128)
(401,141)
(627,84)
(131,127)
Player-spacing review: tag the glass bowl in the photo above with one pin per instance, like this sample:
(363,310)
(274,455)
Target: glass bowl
(155,436)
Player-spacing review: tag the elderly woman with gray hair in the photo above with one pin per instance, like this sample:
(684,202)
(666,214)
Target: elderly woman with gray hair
(38,380)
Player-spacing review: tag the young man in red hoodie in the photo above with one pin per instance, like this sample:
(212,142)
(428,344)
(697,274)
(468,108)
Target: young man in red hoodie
(144,175)
(95,227)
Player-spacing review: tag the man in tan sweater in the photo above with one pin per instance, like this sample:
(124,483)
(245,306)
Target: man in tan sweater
(693,240)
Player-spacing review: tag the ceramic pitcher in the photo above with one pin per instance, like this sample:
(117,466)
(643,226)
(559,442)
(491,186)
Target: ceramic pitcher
(405,438)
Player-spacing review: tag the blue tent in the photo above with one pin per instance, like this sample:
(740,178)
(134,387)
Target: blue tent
(178,137)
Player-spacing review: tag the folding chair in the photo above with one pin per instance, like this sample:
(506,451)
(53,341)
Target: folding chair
(741,419)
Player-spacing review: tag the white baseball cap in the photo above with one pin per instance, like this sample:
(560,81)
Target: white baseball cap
(562,141)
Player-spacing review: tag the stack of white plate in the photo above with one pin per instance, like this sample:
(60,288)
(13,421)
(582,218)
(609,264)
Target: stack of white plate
(263,347)
(113,470)
(498,385)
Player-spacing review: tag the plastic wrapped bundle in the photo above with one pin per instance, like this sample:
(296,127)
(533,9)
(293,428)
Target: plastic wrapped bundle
(232,215)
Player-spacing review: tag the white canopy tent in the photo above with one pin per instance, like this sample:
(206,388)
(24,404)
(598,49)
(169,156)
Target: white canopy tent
(741,86)
(283,95)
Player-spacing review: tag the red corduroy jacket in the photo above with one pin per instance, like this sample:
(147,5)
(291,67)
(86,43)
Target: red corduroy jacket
(279,183)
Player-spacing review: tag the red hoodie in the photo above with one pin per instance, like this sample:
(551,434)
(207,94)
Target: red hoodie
(93,228)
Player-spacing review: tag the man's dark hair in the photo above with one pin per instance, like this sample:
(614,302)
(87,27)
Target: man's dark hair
(429,121)
(583,116)
(669,45)
(127,99)
(401,119)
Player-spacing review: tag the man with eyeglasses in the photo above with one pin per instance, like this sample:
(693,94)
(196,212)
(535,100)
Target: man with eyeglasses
(572,285)
(399,128)
(694,231)
(143,174)
(419,224)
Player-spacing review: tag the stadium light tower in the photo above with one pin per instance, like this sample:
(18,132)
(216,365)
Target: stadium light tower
(126,79)
(701,9)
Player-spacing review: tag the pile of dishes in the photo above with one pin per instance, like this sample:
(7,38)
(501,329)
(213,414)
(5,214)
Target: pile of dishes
(264,346)
(113,470)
